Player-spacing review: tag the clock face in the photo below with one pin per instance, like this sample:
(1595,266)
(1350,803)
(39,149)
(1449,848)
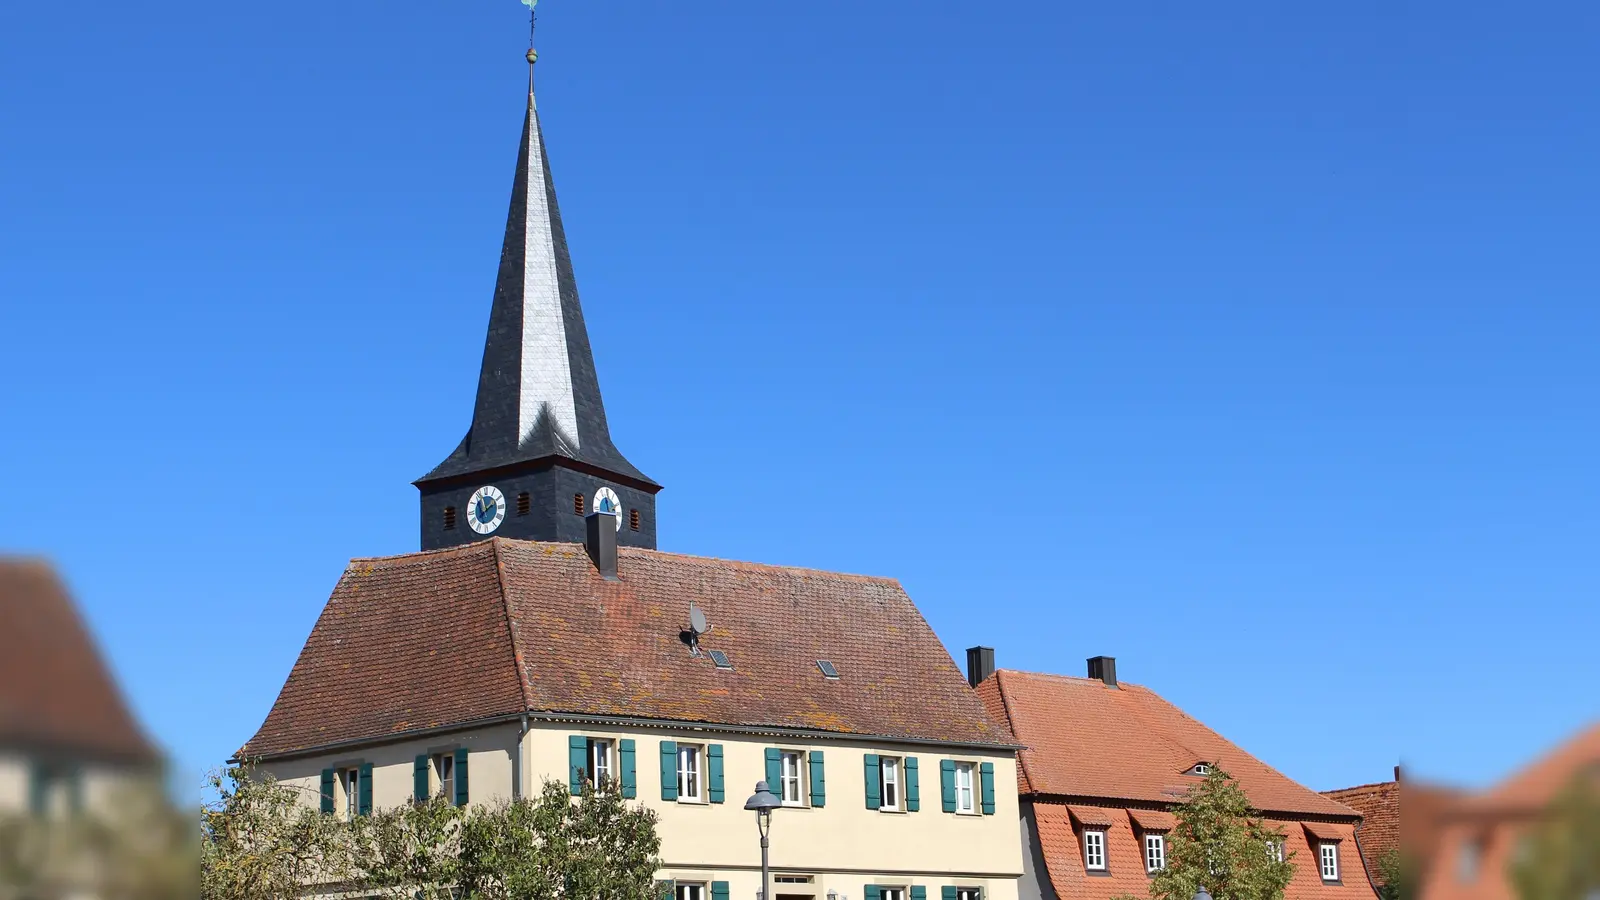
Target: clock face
(605,501)
(486,510)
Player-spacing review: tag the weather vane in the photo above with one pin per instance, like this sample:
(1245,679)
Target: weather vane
(533,26)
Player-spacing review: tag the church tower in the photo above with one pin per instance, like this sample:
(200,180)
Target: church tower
(538,457)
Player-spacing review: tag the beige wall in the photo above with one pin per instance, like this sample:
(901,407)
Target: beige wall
(99,784)
(843,845)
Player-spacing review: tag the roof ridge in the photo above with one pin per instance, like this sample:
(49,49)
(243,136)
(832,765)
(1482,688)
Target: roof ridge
(511,627)
(1359,787)
(1056,676)
(458,550)
(1010,723)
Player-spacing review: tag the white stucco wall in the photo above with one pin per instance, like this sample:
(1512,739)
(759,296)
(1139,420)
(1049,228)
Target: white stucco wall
(843,845)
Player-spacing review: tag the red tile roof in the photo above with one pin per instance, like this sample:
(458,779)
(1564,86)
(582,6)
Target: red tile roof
(1084,739)
(1534,788)
(56,695)
(431,640)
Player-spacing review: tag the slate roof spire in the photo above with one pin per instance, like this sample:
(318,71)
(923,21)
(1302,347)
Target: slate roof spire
(538,395)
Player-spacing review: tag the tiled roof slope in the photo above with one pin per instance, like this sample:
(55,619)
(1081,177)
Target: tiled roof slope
(56,694)
(428,640)
(1379,806)
(1084,739)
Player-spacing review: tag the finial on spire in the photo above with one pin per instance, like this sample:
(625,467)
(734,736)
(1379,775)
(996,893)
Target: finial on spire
(533,27)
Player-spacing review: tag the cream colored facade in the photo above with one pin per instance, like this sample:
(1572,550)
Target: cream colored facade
(841,847)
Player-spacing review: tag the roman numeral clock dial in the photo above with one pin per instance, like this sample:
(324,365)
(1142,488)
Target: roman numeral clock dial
(486,510)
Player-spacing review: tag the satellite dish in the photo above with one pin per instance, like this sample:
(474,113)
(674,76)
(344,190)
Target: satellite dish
(697,621)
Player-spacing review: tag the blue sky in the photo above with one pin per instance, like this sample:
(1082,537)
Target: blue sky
(1254,346)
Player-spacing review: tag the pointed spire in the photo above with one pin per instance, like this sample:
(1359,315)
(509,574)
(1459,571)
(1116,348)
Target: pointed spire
(538,395)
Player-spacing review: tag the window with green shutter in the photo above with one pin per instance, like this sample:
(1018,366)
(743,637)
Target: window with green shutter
(421,767)
(987,772)
(365,805)
(871,892)
(947,788)
(913,791)
(948,892)
(577,762)
(774,769)
(719,890)
(870,773)
(819,781)
(919,892)
(714,773)
(462,792)
(669,770)
(327,792)
(630,775)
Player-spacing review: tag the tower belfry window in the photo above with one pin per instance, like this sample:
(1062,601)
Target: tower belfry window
(577,504)
(449,518)
(523,502)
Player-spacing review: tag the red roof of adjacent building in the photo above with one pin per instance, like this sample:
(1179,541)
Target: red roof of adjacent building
(56,695)
(430,640)
(1379,806)
(1084,739)
(1118,758)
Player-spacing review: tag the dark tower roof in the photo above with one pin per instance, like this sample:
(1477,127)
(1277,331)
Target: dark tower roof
(538,396)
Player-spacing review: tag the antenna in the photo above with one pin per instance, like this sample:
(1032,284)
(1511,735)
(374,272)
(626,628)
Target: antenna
(698,625)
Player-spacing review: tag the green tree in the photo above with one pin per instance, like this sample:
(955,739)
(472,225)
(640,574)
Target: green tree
(259,841)
(1559,857)
(411,852)
(1221,843)
(596,847)
(1393,876)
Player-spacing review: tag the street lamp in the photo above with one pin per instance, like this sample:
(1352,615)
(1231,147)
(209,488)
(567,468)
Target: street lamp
(764,802)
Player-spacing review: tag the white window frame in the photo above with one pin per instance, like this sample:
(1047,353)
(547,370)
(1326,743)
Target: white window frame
(1155,853)
(350,780)
(895,892)
(691,773)
(1328,860)
(791,777)
(969,893)
(602,759)
(966,793)
(889,770)
(1275,850)
(443,784)
(1094,849)
(688,890)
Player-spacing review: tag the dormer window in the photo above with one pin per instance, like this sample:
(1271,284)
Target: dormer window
(1202,769)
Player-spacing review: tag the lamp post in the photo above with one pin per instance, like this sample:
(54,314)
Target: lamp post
(764,802)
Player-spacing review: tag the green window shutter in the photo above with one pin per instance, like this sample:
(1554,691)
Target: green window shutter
(774,770)
(871,892)
(630,773)
(987,771)
(947,790)
(577,763)
(669,770)
(75,790)
(462,791)
(948,892)
(870,771)
(719,890)
(420,781)
(919,892)
(327,792)
(913,792)
(714,771)
(364,801)
(39,789)
(819,781)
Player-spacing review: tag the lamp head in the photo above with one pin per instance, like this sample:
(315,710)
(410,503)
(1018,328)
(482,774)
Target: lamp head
(764,801)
